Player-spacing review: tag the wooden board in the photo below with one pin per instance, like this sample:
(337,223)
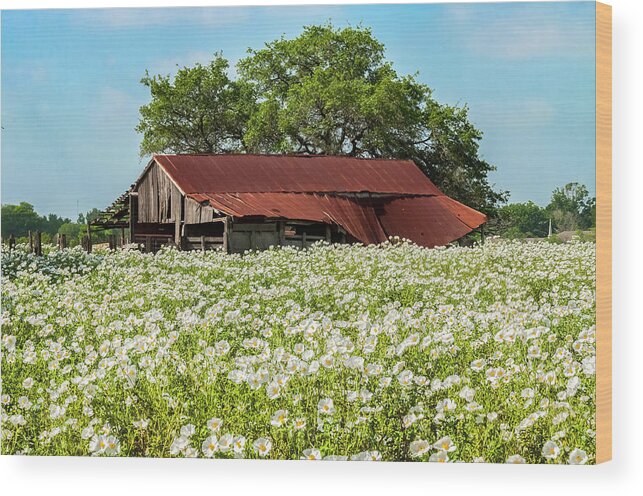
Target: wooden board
(603,232)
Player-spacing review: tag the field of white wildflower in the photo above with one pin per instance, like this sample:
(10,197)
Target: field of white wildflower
(388,352)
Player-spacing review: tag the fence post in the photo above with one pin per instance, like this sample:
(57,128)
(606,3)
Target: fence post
(12,242)
(89,239)
(38,244)
(227,231)
(63,241)
(281,228)
(303,239)
(202,243)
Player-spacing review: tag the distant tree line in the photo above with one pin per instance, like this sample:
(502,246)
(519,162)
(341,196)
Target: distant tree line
(22,218)
(570,209)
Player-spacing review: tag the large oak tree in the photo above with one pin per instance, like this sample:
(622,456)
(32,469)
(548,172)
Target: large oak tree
(328,91)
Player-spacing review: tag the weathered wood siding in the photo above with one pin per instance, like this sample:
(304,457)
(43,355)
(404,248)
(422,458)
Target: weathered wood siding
(246,236)
(159,201)
(195,213)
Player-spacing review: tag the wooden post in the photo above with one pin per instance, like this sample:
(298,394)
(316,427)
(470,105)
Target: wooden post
(482,234)
(303,239)
(202,243)
(89,239)
(281,227)
(148,244)
(12,242)
(227,231)
(252,240)
(133,216)
(177,234)
(63,241)
(30,242)
(328,238)
(122,243)
(178,211)
(38,243)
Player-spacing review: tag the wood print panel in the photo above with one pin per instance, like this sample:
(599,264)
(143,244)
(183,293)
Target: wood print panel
(603,232)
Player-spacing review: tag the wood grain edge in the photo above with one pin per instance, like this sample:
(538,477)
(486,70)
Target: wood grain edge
(603,232)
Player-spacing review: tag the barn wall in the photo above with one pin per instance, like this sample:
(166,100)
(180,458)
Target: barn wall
(195,213)
(158,199)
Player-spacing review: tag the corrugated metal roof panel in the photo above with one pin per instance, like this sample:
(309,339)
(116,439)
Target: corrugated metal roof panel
(246,173)
(468,215)
(357,219)
(428,220)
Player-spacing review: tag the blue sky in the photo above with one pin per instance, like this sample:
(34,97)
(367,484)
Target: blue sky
(71,85)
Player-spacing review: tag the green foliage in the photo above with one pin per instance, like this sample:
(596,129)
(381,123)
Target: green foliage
(588,236)
(73,231)
(571,208)
(519,220)
(200,111)
(84,218)
(20,219)
(328,91)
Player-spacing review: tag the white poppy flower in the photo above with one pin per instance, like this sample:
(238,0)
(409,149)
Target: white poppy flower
(515,459)
(578,457)
(326,406)
(311,454)
(445,444)
(441,457)
(419,447)
(550,450)
(279,418)
(262,446)
(210,446)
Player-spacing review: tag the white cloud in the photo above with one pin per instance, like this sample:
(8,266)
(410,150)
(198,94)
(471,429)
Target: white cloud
(529,112)
(32,72)
(120,18)
(524,31)
(114,110)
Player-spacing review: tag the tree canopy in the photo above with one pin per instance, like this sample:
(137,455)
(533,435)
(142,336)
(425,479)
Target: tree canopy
(22,218)
(572,208)
(328,91)
(200,111)
(518,220)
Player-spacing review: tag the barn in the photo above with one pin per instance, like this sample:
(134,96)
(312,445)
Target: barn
(237,202)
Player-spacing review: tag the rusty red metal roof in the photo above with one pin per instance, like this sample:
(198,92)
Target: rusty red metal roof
(426,220)
(247,173)
(404,202)
(429,220)
(357,219)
